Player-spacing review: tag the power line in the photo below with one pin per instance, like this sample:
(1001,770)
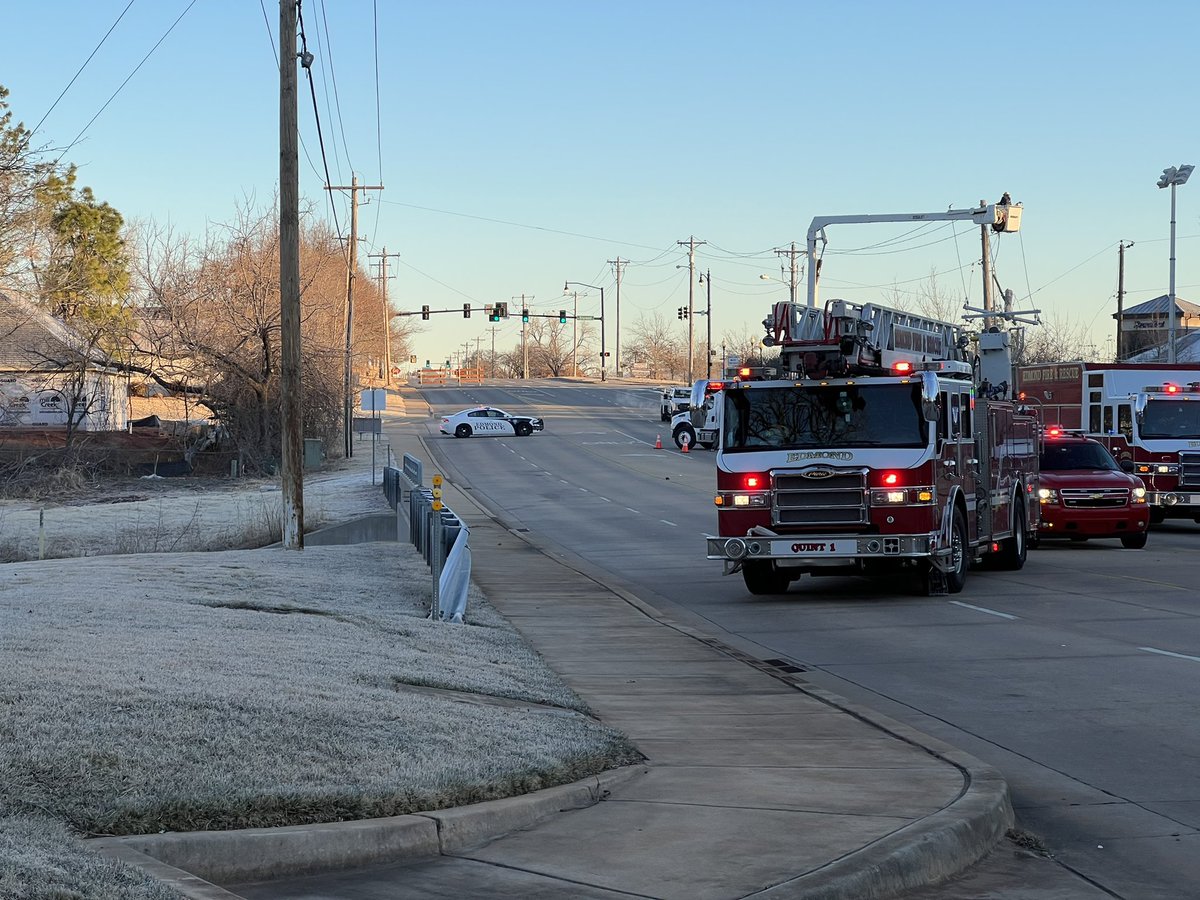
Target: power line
(125,82)
(337,100)
(81,68)
(312,88)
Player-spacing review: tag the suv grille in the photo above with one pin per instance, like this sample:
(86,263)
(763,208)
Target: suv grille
(839,499)
(1189,470)
(1082,498)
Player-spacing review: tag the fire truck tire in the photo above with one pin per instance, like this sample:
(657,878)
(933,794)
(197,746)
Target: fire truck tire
(679,434)
(762,577)
(956,579)
(1134,541)
(463,430)
(1014,550)
(664,415)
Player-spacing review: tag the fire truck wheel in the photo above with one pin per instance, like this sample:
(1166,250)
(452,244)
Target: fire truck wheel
(1134,541)
(1013,551)
(762,577)
(960,554)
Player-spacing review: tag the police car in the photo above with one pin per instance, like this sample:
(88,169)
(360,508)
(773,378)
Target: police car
(489,421)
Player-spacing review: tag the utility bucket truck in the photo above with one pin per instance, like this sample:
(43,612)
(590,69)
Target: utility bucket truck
(889,444)
(1146,414)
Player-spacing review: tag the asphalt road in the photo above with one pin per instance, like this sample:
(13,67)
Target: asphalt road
(1075,677)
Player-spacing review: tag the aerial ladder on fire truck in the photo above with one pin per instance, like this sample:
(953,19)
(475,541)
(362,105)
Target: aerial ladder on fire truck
(846,338)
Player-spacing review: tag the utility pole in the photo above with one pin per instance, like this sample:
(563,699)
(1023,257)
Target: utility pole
(793,278)
(524,342)
(988,302)
(617,264)
(387,312)
(575,336)
(292,463)
(493,353)
(351,271)
(691,243)
(1122,246)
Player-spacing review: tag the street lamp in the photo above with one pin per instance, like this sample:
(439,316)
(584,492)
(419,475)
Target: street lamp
(603,352)
(1173,177)
(706,279)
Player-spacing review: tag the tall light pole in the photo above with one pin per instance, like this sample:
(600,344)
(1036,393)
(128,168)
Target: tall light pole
(1173,177)
(603,352)
(706,277)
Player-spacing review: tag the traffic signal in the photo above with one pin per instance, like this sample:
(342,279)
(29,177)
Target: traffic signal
(412,358)
(682,312)
(499,311)
(425,311)
(524,315)
(466,310)
(562,317)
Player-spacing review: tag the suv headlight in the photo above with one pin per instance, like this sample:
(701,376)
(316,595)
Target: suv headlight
(1047,495)
(1139,494)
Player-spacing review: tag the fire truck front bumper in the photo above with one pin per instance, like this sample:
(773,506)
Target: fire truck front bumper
(1168,499)
(818,549)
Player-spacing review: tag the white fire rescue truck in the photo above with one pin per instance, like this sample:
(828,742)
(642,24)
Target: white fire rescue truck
(891,443)
(1145,413)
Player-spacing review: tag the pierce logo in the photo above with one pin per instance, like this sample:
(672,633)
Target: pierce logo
(818,473)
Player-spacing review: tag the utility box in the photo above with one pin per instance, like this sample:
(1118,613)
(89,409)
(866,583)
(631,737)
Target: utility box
(313,453)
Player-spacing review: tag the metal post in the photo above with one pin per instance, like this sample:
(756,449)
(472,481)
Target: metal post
(603,355)
(1171,297)
(436,557)
(708,315)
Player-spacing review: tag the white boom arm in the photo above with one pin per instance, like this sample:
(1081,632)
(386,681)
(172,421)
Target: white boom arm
(1001,216)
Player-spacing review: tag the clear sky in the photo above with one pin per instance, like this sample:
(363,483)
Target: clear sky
(525,143)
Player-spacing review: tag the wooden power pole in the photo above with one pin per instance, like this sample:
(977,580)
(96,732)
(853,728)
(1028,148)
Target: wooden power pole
(387,312)
(351,271)
(292,462)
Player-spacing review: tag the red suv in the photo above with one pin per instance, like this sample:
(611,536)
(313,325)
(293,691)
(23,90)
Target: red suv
(1085,494)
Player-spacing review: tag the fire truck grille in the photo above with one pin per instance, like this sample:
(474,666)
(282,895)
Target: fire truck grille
(1081,498)
(836,499)
(1189,470)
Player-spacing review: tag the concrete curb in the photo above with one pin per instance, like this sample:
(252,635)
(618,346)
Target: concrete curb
(190,861)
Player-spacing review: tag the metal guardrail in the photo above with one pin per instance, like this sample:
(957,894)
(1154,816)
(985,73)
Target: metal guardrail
(438,534)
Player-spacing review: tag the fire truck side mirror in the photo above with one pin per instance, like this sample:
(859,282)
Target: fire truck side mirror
(1139,407)
(929,396)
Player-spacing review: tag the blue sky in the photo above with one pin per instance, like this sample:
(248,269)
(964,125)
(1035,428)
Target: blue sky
(522,144)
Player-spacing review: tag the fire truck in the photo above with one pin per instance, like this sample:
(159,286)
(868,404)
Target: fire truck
(1146,414)
(891,444)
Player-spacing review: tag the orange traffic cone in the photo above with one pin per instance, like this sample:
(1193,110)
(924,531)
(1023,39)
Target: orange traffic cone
(658,442)
(684,448)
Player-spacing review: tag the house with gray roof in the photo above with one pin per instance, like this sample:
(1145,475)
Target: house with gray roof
(51,375)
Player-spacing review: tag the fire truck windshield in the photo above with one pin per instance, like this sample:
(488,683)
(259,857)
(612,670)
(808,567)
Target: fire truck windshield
(1171,419)
(822,416)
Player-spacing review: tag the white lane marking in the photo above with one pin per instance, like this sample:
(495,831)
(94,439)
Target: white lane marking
(1169,653)
(630,436)
(585,490)
(606,500)
(983,609)
(632,510)
(560,481)
(665,522)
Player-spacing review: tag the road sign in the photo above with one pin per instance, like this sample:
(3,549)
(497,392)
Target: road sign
(373,399)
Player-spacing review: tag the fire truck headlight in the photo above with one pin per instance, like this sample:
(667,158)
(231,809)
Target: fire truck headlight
(895,496)
(741,499)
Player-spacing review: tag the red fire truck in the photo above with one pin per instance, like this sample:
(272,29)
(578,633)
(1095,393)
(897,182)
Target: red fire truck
(892,444)
(1146,414)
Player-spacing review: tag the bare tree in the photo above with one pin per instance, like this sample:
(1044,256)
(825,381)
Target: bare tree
(1056,340)
(652,341)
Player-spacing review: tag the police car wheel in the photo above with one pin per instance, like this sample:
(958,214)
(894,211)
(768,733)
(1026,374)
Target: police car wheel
(523,429)
(463,430)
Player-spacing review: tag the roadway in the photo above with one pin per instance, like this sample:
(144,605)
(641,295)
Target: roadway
(1075,676)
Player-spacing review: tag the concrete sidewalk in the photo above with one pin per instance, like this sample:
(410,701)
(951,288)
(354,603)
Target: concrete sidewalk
(755,783)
